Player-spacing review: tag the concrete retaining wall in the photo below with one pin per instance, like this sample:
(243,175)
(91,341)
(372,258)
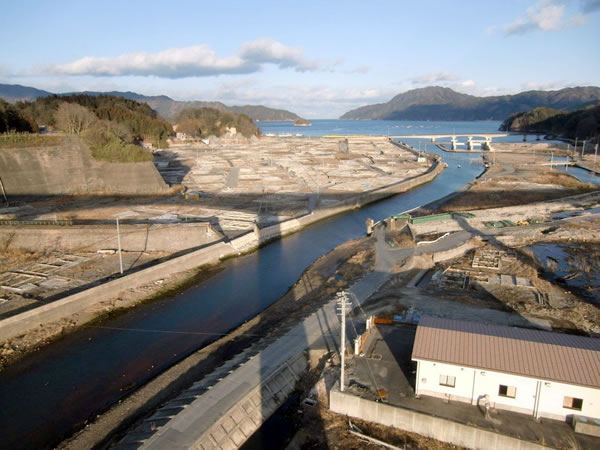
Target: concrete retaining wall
(135,238)
(424,424)
(239,423)
(453,252)
(260,236)
(69,168)
(76,303)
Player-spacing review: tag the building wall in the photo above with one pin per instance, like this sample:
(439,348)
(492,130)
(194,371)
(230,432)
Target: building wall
(553,393)
(472,385)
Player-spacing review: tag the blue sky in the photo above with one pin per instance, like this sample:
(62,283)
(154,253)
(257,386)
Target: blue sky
(318,59)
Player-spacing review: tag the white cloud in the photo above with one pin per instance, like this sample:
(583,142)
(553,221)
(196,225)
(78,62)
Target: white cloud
(545,85)
(267,50)
(548,15)
(434,77)
(195,61)
(358,69)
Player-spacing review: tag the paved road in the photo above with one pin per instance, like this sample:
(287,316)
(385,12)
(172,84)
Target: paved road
(191,425)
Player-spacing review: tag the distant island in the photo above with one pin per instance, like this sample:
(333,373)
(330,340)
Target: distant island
(302,123)
(439,103)
(163,105)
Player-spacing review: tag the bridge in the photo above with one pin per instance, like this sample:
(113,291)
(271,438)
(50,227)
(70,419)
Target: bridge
(433,137)
(485,143)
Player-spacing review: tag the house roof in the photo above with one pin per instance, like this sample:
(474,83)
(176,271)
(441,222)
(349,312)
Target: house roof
(538,354)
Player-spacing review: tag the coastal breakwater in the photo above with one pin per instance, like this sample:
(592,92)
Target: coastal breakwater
(77,306)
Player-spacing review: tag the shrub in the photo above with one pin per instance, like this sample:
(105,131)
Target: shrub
(13,139)
(105,145)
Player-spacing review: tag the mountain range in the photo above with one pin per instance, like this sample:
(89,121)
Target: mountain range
(439,103)
(165,106)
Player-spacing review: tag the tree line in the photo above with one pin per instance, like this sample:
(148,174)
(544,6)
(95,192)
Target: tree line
(204,122)
(583,123)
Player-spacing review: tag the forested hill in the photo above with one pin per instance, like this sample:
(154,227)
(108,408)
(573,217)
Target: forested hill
(15,92)
(169,108)
(165,106)
(439,103)
(582,124)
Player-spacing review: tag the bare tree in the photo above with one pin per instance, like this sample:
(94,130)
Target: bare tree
(73,118)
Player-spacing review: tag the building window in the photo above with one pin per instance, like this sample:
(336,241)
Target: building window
(507,391)
(447,380)
(573,403)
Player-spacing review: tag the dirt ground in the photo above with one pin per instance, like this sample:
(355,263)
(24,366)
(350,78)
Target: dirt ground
(546,298)
(515,179)
(318,427)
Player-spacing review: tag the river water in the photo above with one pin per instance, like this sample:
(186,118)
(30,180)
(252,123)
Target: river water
(49,394)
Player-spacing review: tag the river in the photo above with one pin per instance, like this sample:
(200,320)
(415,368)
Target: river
(49,394)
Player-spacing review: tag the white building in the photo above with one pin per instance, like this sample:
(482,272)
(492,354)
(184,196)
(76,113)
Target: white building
(541,373)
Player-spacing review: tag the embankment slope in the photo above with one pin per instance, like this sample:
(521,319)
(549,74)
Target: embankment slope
(69,168)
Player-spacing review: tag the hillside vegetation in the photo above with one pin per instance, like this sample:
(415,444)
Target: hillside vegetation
(114,127)
(438,103)
(12,119)
(204,122)
(130,120)
(582,124)
(165,106)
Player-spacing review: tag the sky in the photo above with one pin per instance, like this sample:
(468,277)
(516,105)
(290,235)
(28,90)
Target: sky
(317,59)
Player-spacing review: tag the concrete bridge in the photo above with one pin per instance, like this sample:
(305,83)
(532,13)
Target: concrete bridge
(433,137)
(485,143)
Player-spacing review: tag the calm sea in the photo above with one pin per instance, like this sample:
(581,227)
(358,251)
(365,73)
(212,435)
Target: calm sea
(385,128)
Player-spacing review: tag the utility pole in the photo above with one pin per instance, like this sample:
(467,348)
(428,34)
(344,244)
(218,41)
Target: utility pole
(595,154)
(575,148)
(342,299)
(6,199)
(119,216)
(119,244)
(582,149)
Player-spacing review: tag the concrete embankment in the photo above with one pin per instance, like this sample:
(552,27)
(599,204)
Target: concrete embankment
(76,304)
(424,424)
(69,168)
(134,238)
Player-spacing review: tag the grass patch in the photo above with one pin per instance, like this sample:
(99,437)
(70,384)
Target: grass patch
(562,179)
(20,140)
(107,146)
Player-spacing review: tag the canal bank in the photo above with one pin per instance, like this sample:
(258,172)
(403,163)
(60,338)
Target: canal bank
(110,361)
(77,304)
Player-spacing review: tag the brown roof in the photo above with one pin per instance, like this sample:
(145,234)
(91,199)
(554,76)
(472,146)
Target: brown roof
(533,353)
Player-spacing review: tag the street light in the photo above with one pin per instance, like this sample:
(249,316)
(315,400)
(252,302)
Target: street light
(117,217)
